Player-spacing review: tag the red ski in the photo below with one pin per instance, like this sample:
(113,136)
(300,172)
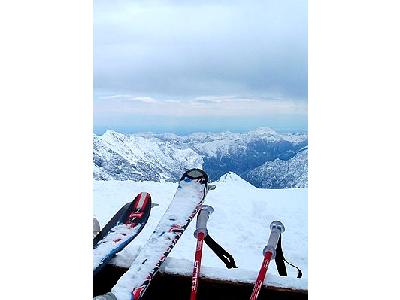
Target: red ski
(126,224)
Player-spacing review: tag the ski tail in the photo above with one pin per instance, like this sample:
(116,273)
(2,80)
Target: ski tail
(126,224)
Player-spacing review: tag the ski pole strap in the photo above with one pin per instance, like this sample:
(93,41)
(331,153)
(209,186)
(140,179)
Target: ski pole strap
(280,261)
(228,259)
(280,264)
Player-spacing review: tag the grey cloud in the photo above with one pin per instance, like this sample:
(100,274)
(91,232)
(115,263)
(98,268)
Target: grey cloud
(186,49)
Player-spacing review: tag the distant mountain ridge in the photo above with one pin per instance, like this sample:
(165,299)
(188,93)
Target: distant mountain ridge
(291,173)
(258,156)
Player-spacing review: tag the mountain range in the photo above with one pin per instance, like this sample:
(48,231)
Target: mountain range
(263,157)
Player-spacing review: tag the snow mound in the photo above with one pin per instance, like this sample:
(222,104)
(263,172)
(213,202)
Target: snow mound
(233,178)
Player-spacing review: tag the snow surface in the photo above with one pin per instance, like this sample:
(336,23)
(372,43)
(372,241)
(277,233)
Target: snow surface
(122,233)
(240,224)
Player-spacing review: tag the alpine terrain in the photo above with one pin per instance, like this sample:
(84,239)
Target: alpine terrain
(263,157)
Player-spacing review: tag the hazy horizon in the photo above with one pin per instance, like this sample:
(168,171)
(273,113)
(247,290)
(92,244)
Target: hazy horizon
(183,131)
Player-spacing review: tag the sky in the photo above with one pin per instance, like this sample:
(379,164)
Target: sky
(183,66)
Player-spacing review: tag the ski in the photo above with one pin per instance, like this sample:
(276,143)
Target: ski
(190,195)
(120,230)
(269,253)
(200,233)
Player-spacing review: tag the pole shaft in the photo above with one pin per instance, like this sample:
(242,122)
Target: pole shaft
(197,264)
(261,275)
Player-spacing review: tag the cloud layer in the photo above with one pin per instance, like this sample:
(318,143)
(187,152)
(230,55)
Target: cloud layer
(183,48)
(185,57)
(227,106)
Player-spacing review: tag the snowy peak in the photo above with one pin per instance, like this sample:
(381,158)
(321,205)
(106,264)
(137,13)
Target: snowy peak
(265,132)
(230,177)
(233,178)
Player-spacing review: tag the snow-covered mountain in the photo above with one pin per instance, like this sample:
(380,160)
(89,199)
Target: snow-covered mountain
(136,157)
(158,157)
(291,173)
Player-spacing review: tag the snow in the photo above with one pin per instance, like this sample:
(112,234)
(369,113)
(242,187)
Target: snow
(140,155)
(232,178)
(240,224)
(221,144)
(122,233)
(283,173)
(185,267)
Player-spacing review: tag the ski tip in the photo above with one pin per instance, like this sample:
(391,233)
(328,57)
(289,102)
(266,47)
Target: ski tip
(154,204)
(195,174)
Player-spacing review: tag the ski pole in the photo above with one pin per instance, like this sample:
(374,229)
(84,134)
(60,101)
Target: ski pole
(200,233)
(269,253)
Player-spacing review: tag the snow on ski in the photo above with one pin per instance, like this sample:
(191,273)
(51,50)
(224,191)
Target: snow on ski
(190,195)
(121,230)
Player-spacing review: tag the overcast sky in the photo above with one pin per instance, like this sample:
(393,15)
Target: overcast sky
(217,65)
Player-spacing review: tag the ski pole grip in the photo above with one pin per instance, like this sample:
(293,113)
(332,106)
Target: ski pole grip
(276,229)
(202,218)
